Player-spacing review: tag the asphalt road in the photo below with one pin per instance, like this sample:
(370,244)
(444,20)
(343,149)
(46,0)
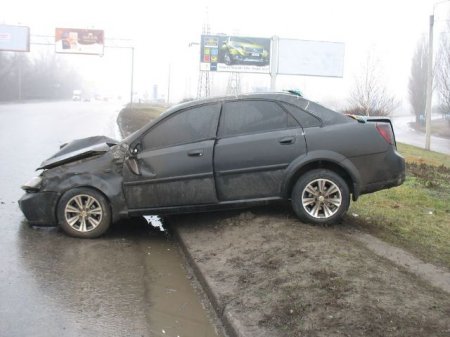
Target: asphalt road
(405,134)
(130,282)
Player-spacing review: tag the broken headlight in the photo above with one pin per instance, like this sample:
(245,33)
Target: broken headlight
(33,185)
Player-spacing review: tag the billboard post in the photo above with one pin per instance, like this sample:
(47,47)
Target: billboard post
(274,63)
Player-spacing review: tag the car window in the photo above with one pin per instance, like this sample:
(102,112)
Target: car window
(251,117)
(305,119)
(188,126)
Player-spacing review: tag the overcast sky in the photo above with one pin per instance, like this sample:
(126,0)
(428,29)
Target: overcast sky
(162,30)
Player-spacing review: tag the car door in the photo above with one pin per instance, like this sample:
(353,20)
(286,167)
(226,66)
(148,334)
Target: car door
(257,139)
(175,161)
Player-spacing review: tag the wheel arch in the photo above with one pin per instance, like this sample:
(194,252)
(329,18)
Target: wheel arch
(322,160)
(111,193)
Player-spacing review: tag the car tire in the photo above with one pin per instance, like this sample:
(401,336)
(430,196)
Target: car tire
(320,197)
(84,213)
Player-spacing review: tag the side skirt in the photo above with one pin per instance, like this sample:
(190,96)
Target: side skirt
(235,204)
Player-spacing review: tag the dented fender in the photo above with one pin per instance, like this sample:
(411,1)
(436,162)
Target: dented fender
(101,173)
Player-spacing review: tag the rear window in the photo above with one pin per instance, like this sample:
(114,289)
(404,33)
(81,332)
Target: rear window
(327,116)
(305,119)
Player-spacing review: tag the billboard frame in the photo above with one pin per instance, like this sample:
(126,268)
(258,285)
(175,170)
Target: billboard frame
(28,42)
(71,51)
(312,75)
(264,42)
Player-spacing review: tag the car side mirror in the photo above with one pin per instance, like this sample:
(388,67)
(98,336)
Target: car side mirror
(137,148)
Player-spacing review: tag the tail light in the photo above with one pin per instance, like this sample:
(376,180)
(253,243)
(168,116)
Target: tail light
(385,131)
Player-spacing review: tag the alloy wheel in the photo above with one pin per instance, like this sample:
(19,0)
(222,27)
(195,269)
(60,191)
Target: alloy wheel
(83,213)
(321,198)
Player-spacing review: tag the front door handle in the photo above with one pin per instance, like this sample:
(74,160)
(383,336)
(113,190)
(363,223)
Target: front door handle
(195,153)
(287,140)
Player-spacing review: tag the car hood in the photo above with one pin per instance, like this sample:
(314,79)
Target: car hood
(79,149)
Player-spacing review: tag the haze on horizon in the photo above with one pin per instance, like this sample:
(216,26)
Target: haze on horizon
(162,31)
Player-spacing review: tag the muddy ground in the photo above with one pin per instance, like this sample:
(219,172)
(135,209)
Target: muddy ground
(268,274)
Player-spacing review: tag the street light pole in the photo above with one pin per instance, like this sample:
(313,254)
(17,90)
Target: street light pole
(428,106)
(132,77)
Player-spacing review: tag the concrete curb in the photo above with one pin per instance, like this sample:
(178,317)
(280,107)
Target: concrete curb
(438,277)
(229,322)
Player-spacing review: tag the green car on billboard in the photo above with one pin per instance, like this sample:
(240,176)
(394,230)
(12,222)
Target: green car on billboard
(240,50)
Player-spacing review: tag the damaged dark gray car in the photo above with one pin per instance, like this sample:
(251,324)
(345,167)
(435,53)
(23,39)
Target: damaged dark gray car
(218,154)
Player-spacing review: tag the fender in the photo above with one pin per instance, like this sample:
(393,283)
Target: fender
(321,156)
(110,185)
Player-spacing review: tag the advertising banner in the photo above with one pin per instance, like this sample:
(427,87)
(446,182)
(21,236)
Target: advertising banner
(79,41)
(14,38)
(235,54)
(310,58)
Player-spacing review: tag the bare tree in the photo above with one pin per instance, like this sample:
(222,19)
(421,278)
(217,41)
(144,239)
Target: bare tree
(417,86)
(443,71)
(370,96)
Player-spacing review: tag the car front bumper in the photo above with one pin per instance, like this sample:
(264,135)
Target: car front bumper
(40,208)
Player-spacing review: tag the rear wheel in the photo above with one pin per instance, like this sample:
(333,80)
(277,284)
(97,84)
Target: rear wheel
(84,213)
(320,197)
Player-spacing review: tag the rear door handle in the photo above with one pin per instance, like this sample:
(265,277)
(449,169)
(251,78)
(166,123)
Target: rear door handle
(287,140)
(195,153)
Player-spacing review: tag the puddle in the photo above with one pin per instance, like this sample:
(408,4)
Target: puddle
(176,309)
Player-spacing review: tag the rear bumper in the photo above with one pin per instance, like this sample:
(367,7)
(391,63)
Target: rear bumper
(384,184)
(393,173)
(40,208)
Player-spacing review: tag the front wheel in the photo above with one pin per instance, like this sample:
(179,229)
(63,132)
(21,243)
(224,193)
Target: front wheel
(84,213)
(320,197)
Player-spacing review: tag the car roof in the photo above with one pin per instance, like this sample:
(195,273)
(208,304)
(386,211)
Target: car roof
(278,96)
(327,116)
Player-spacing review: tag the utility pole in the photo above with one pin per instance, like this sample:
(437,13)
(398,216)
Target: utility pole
(428,106)
(203,86)
(168,84)
(132,77)
(19,80)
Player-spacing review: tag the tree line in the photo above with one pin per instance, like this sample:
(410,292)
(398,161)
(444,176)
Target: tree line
(370,96)
(45,76)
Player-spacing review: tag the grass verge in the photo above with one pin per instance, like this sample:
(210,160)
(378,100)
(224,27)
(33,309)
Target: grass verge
(439,127)
(415,215)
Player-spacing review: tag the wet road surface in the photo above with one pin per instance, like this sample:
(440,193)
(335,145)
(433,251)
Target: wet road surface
(131,282)
(405,134)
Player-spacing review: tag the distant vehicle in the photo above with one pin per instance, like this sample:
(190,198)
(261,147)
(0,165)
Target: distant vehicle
(219,153)
(76,95)
(237,50)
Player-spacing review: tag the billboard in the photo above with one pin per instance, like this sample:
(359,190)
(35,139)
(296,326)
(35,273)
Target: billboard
(311,58)
(235,54)
(14,38)
(79,41)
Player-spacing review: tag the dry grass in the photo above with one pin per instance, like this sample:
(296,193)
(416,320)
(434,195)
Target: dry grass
(415,215)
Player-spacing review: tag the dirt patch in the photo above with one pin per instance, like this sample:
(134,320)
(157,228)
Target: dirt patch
(271,275)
